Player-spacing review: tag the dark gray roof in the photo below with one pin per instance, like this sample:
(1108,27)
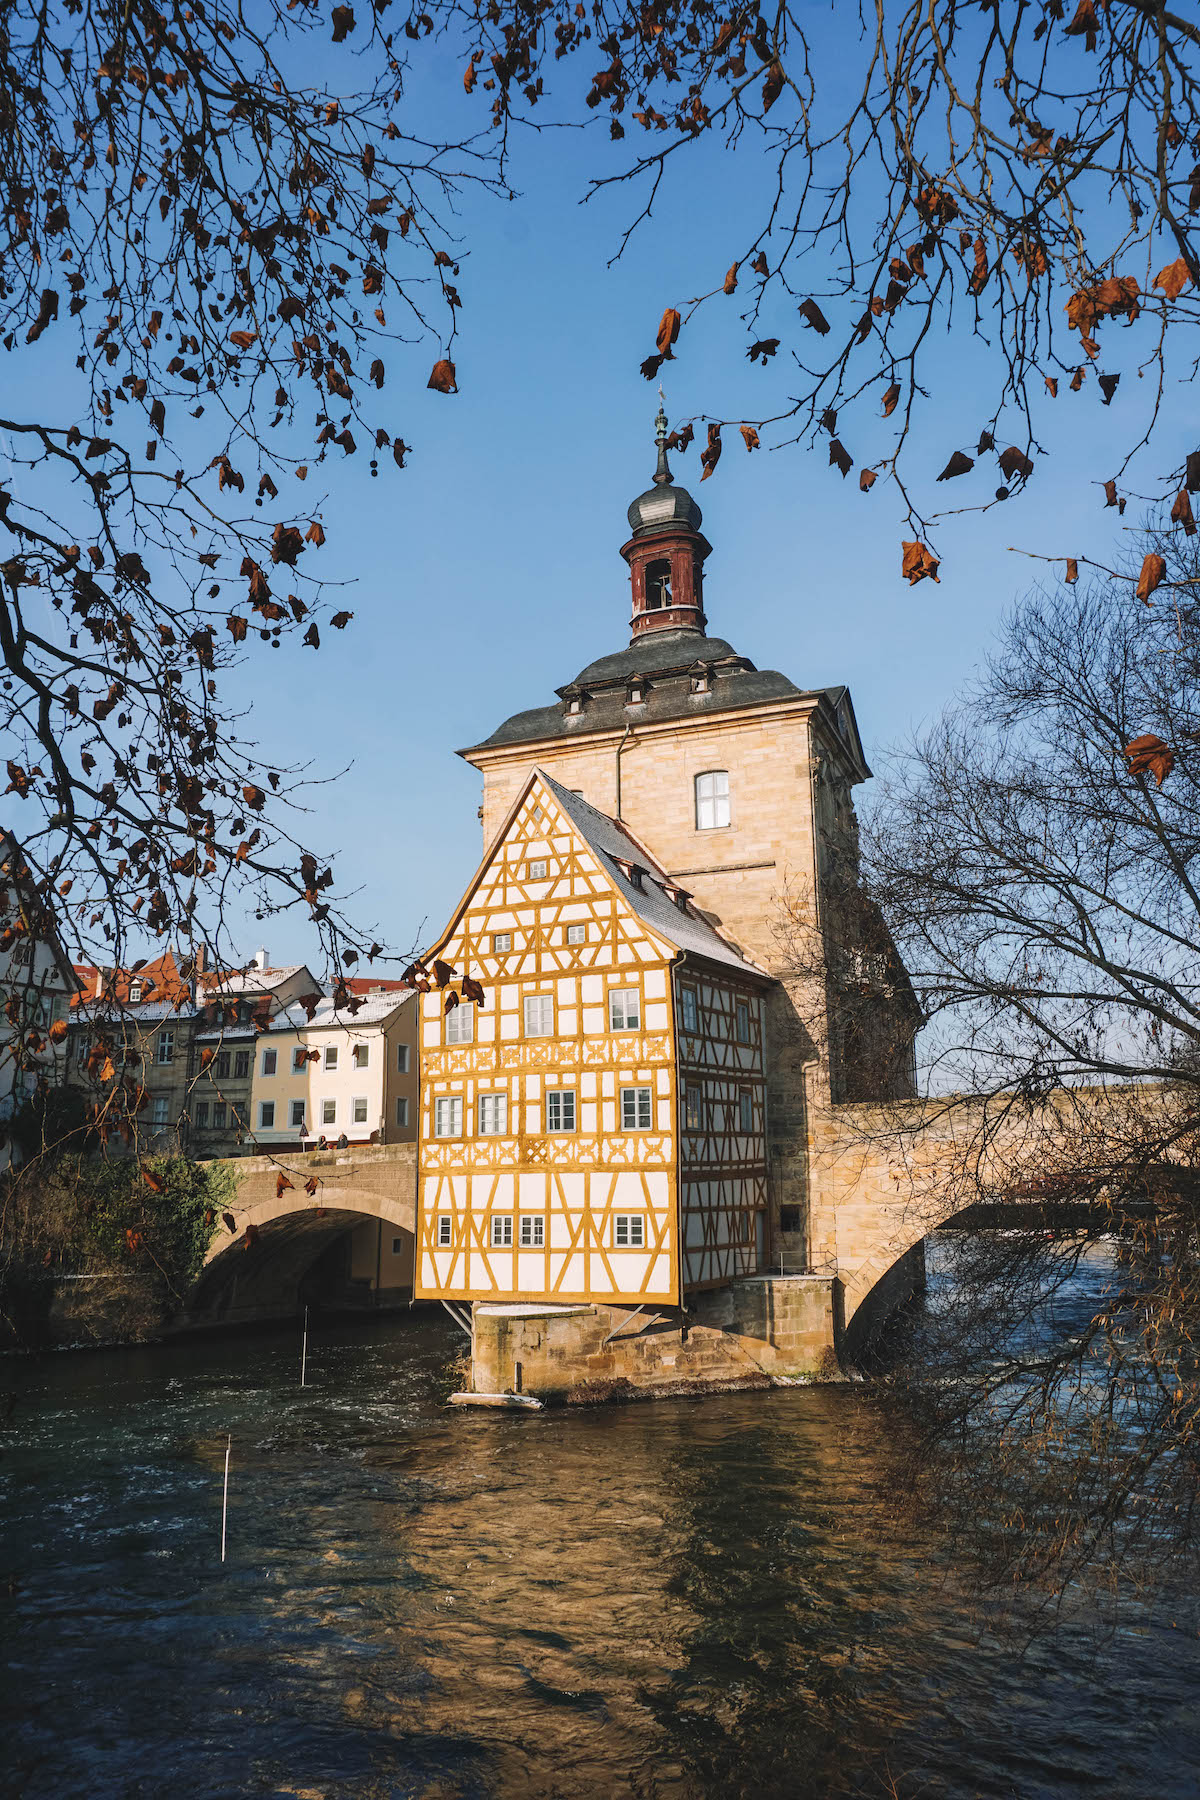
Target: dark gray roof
(666,659)
(661,508)
(608,839)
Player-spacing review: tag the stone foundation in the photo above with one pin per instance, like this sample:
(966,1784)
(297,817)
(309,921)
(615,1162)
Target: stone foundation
(744,1336)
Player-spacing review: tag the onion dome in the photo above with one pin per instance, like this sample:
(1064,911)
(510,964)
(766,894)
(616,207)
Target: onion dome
(664,506)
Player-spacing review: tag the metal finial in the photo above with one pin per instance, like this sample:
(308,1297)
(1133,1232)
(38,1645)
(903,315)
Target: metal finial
(662,475)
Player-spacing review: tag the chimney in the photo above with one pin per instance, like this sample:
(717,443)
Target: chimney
(201,959)
(261,959)
(99,984)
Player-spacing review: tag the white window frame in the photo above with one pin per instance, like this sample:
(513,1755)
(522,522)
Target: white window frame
(501,941)
(301,1106)
(359,1109)
(272,1057)
(629,1231)
(500,1236)
(494,1121)
(562,1096)
(577,934)
(402,1112)
(265,1108)
(331,1056)
(618,1003)
(459,1024)
(543,1003)
(162,1111)
(329,1112)
(712,800)
(444,1110)
(135,992)
(299,1059)
(360,1056)
(538,869)
(445,1231)
(166,1047)
(533,1231)
(639,1101)
(402,1059)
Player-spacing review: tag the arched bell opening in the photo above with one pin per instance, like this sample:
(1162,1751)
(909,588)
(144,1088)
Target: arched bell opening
(658,584)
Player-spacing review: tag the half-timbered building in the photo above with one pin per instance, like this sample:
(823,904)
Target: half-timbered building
(595,1128)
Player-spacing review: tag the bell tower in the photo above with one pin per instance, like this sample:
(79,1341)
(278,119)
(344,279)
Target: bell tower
(666,552)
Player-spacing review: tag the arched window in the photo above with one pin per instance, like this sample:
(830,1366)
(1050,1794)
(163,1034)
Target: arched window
(712,799)
(658,584)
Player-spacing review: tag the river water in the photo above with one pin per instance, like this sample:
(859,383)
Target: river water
(679,1600)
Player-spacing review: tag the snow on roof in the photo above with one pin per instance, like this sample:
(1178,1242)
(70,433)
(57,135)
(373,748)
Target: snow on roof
(375,1008)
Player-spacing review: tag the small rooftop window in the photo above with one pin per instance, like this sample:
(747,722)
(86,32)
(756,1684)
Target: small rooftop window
(633,872)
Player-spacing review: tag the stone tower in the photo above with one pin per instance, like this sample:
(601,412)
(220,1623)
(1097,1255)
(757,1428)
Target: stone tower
(740,783)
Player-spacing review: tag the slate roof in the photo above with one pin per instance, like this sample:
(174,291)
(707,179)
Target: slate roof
(374,1009)
(607,838)
(666,659)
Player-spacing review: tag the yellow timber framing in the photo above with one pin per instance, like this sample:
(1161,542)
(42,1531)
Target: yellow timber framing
(589,1176)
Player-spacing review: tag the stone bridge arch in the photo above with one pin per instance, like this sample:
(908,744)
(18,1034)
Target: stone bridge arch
(296,1233)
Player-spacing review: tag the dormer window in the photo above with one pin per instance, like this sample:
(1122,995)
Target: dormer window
(135,992)
(679,896)
(633,872)
(702,678)
(637,690)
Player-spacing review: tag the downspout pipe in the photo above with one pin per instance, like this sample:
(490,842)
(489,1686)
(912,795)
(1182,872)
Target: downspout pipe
(620,748)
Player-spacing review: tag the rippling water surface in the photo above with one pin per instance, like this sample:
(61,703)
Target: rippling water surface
(680,1599)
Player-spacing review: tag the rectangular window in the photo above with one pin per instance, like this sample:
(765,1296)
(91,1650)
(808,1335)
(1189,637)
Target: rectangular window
(202,1113)
(533,1232)
(241,1065)
(166,1046)
(629,1231)
(402,1059)
(81,1049)
(712,800)
(743,1022)
(576,934)
(687,1009)
(219,1116)
(224,1064)
(329,1112)
(447,1117)
(746,1110)
(299,1060)
(331,1053)
(266,1115)
(460,1024)
(635,1109)
(539,1015)
(298,1113)
(362,1056)
(359,1109)
(560,1109)
(493,1115)
(624,1009)
(160,1110)
(501,1231)
(694,1115)
(444,1230)
(402,1112)
(397,1246)
(270,1061)
(539,869)
(501,941)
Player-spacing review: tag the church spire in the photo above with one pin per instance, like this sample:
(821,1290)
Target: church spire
(666,552)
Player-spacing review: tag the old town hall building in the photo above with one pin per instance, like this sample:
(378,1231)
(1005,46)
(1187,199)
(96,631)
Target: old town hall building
(677,962)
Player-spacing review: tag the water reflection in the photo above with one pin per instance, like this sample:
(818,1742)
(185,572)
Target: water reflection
(699,1601)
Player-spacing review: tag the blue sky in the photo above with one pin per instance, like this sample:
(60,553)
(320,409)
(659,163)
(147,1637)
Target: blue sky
(486,574)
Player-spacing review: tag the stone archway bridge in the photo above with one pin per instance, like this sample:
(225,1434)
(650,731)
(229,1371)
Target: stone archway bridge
(883,1175)
(880,1178)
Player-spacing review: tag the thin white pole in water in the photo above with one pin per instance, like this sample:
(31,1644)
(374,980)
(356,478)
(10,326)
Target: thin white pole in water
(304,1350)
(225,1497)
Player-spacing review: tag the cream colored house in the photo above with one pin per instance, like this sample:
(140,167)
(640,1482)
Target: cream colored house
(340,1075)
(36,985)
